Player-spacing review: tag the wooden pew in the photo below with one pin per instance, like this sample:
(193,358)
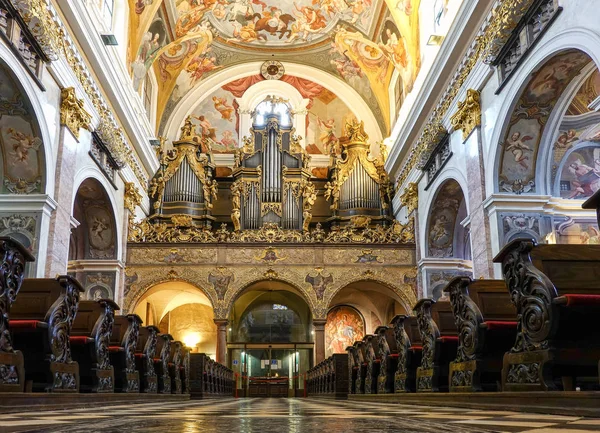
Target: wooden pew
(440,341)
(123,344)
(175,366)
(145,353)
(353,368)
(388,356)
(487,327)
(362,364)
(14,258)
(330,377)
(209,378)
(161,363)
(556,291)
(185,370)
(593,203)
(410,349)
(373,363)
(90,341)
(40,327)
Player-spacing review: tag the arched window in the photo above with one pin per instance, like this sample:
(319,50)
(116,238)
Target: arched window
(273,105)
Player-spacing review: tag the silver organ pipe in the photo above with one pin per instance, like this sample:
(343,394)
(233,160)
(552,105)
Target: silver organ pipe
(360,191)
(184,186)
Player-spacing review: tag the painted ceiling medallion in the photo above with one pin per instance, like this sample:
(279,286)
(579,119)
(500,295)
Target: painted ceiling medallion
(272,70)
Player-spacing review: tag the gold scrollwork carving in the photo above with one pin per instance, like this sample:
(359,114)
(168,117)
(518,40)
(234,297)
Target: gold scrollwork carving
(468,115)
(410,198)
(72,113)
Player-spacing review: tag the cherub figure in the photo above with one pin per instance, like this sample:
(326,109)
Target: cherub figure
(22,143)
(516,145)
(99,225)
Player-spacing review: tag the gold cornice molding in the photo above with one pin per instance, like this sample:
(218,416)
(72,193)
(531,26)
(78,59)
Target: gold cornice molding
(53,36)
(72,113)
(468,114)
(492,36)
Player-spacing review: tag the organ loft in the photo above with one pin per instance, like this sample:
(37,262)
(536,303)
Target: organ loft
(221,212)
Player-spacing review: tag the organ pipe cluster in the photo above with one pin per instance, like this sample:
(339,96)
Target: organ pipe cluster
(183,189)
(358,187)
(271,176)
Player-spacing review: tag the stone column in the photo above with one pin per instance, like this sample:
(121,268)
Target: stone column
(59,232)
(221,340)
(481,247)
(319,325)
(74,122)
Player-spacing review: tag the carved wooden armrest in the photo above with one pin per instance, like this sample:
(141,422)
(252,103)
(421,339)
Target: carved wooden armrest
(14,257)
(532,293)
(429,331)
(102,332)
(130,341)
(60,318)
(467,317)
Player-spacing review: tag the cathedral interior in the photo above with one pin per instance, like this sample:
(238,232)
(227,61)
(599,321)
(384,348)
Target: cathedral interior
(345,215)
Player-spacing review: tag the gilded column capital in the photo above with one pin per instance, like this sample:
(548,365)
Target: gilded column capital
(468,115)
(72,113)
(410,198)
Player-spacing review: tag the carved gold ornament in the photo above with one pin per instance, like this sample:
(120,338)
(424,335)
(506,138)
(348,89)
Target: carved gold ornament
(397,233)
(132,197)
(72,113)
(468,115)
(410,198)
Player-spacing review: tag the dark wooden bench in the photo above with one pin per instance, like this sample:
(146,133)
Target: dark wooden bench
(90,341)
(330,377)
(14,258)
(209,378)
(373,363)
(486,321)
(362,371)
(40,326)
(123,344)
(388,358)
(185,370)
(144,359)
(556,292)
(175,366)
(161,363)
(410,349)
(593,203)
(440,341)
(353,368)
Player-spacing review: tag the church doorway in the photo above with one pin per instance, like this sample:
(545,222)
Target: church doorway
(270,342)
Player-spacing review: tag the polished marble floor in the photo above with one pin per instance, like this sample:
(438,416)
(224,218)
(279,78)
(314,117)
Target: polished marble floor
(288,416)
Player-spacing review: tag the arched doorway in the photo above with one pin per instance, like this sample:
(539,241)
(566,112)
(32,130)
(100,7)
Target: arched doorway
(357,310)
(270,339)
(182,310)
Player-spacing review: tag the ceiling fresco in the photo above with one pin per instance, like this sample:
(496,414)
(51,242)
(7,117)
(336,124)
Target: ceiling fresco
(361,42)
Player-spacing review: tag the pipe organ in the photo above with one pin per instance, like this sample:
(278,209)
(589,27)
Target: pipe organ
(183,189)
(358,185)
(271,176)
(270,184)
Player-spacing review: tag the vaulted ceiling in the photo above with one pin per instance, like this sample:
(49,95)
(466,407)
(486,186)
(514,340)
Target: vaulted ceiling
(359,42)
